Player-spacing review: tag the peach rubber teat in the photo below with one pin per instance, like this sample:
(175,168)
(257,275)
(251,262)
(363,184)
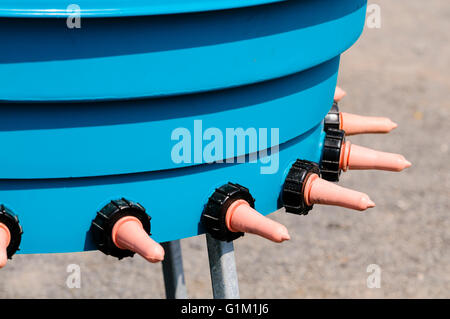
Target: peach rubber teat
(241,217)
(320,191)
(356,124)
(5,238)
(128,233)
(359,157)
(339,94)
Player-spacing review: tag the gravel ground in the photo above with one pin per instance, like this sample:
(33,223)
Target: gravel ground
(400,70)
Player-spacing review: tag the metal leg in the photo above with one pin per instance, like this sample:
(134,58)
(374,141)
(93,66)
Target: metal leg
(223,269)
(173,271)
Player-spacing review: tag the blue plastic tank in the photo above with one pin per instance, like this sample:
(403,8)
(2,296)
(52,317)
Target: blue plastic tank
(98,113)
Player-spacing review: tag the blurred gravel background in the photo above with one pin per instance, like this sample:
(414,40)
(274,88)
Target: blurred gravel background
(400,71)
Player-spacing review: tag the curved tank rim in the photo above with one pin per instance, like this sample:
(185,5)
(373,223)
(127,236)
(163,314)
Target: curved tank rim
(118,8)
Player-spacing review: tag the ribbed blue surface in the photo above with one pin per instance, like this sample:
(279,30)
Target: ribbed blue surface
(56,214)
(156,56)
(117,8)
(92,139)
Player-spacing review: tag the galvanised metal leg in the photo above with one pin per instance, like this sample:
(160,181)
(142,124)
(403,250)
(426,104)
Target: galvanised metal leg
(173,271)
(223,269)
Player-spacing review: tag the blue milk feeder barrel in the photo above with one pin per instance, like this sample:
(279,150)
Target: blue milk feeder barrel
(94,114)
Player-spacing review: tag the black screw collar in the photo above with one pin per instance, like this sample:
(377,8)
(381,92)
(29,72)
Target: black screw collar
(214,213)
(102,225)
(10,220)
(332,119)
(331,154)
(292,194)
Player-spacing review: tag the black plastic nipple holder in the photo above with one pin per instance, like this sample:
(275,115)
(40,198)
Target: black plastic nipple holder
(333,120)
(214,213)
(10,220)
(292,194)
(102,225)
(331,155)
